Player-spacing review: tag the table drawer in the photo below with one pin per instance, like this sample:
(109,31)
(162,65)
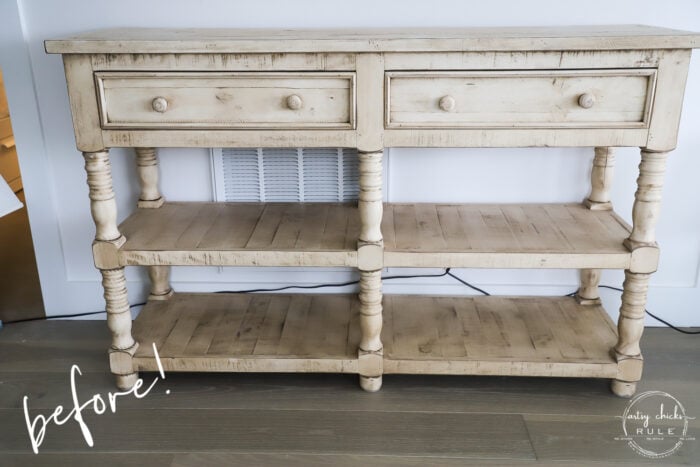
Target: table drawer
(520,99)
(226,100)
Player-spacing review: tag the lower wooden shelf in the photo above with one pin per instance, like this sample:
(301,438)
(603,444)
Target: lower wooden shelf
(523,336)
(250,332)
(519,336)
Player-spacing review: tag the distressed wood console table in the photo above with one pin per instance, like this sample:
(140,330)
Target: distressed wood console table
(601,87)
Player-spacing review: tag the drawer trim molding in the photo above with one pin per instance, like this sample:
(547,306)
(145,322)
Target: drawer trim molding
(650,73)
(101,77)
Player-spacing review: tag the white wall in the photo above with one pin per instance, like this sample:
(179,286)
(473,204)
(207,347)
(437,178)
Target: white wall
(57,193)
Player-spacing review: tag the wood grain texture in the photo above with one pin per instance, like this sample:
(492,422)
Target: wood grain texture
(503,236)
(534,336)
(263,234)
(433,335)
(520,99)
(564,417)
(226,100)
(287,431)
(152,40)
(244,332)
(598,86)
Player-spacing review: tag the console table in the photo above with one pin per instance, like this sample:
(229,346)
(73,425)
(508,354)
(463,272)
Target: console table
(600,86)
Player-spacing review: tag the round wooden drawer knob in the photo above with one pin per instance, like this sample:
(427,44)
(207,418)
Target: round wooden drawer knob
(586,100)
(294,102)
(159,104)
(447,103)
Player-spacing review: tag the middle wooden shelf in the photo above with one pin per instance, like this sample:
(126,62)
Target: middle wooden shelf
(415,235)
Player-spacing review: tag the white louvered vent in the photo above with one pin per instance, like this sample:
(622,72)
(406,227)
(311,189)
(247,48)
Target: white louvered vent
(292,175)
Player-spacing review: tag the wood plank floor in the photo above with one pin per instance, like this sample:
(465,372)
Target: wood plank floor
(217,419)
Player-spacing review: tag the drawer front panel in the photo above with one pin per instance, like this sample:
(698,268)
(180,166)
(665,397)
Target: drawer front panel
(226,100)
(520,99)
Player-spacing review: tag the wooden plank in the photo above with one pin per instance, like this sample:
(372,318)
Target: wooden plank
(429,227)
(242,342)
(505,236)
(314,228)
(203,335)
(236,306)
(387,226)
(453,231)
(88,459)
(514,330)
(354,332)
(449,329)
(286,431)
(231,138)
(336,324)
(232,230)
(526,232)
(162,40)
(406,227)
(153,326)
(291,341)
(180,335)
(499,137)
(474,225)
(271,328)
(497,335)
(251,332)
(283,234)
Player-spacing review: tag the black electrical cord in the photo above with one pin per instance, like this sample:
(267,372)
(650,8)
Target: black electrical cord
(343,284)
(683,331)
(278,289)
(336,284)
(473,287)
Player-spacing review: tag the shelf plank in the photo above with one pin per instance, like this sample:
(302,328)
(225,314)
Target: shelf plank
(503,236)
(519,336)
(245,234)
(249,332)
(522,336)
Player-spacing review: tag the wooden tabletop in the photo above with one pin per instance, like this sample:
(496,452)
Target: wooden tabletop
(156,40)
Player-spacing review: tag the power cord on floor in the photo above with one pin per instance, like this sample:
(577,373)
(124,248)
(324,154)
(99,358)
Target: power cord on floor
(277,289)
(447,272)
(683,331)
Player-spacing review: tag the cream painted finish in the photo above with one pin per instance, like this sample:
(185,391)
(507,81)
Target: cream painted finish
(226,100)
(522,99)
(601,86)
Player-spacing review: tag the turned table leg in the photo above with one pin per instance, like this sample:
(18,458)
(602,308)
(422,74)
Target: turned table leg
(370,262)
(108,239)
(598,200)
(370,354)
(645,214)
(630,326)
(150,198)
(588,293)
(147,168)
(601,179)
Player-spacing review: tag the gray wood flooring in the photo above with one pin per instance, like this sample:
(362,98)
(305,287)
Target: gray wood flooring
(317,419)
